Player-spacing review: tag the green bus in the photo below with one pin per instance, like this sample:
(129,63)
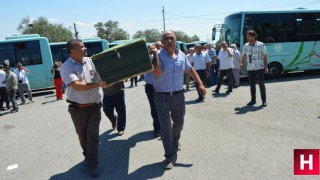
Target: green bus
(291,37)
(34,53)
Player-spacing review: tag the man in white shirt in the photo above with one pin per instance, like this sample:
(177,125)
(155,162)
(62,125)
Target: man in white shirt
(201,63)
(3,90)
(226,65)
(189,57)
(23,82)
(236,64)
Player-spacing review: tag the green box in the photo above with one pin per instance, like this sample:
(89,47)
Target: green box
(123,61)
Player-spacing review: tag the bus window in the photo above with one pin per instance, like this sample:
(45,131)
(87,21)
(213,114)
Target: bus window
(28,53)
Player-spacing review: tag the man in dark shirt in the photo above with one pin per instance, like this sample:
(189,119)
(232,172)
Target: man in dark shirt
(113,98)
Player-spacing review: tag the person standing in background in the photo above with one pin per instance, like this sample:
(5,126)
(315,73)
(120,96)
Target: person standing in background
(23,82)
(255,54)
(236,65)
(226,65)
(3,90)
(57,80)
(11,85)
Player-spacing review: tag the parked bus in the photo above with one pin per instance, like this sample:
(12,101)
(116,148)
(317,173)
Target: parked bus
(34,53)
(93,45)
(181,45)
(291,37)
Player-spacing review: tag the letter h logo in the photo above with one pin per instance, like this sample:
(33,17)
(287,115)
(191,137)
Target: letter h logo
(306,162)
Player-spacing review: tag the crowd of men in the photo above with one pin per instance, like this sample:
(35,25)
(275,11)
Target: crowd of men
(13,84)
(164,89)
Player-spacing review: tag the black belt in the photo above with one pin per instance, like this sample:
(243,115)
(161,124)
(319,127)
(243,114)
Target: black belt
(171,93)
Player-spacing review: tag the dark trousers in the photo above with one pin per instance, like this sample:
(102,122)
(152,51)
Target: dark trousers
(222,73)
(213,77)
(86,122)
(116,102)
(170,108)
(203,76)
(135,79)
(252,79)
(4,97)
(149,89)
(12,98)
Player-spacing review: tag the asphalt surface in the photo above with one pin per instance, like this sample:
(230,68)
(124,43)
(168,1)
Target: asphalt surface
(222,137)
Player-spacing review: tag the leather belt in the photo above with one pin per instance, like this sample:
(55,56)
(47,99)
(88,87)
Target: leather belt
(82,105)
(171,93)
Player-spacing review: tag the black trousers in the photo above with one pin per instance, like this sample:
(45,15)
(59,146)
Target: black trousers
(149,89)
(252,79)
(4,97)
(116,102)
(222,73)
(203,76)
(135,79)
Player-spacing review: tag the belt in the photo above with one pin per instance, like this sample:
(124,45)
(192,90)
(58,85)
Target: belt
(171,93)
(82,105)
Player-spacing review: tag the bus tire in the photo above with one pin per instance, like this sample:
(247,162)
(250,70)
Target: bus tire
(275,70)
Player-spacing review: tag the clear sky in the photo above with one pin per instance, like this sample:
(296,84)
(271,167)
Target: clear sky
(190,16)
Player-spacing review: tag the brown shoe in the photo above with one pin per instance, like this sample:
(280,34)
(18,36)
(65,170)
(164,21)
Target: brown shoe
(120,133)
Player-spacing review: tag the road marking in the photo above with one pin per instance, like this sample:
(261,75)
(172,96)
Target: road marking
(12,167)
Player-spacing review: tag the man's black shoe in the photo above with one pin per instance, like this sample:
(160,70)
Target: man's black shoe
(168,164)
(264,104)
(199,99)
(216,91)
(229,91)
(251,103)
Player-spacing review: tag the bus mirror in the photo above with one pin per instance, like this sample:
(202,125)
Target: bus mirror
(213,34)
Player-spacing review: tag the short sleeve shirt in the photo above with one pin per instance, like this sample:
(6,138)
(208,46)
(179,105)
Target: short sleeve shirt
(200,61)
(71,71)
(226,62)
(173,70)
(254,55)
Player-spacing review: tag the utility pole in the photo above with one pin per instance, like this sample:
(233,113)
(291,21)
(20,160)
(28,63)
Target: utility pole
(75,30)
(164,21)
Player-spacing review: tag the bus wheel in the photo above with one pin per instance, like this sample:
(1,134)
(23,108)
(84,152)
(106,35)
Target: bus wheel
(275,70)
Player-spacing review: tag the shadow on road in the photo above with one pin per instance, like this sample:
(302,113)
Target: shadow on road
(114,160)
(246,109)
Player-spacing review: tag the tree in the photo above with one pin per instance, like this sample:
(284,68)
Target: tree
(41,26)
(152,35)
(181,36)
(111,31)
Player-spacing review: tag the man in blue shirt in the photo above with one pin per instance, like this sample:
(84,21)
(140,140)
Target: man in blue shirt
(170,64)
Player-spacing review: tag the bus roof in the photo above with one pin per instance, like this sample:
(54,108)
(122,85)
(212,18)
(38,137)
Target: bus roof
(22,36)
(278,11)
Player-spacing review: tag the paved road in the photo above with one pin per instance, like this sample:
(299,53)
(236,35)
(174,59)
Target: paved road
(222,138)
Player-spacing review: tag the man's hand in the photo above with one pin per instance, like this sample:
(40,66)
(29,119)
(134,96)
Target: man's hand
(266,70)
(104,85)
(202,90)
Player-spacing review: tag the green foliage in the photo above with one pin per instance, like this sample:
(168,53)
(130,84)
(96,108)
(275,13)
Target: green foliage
(152,35)
(181,36)
(41,26)
(111,31)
